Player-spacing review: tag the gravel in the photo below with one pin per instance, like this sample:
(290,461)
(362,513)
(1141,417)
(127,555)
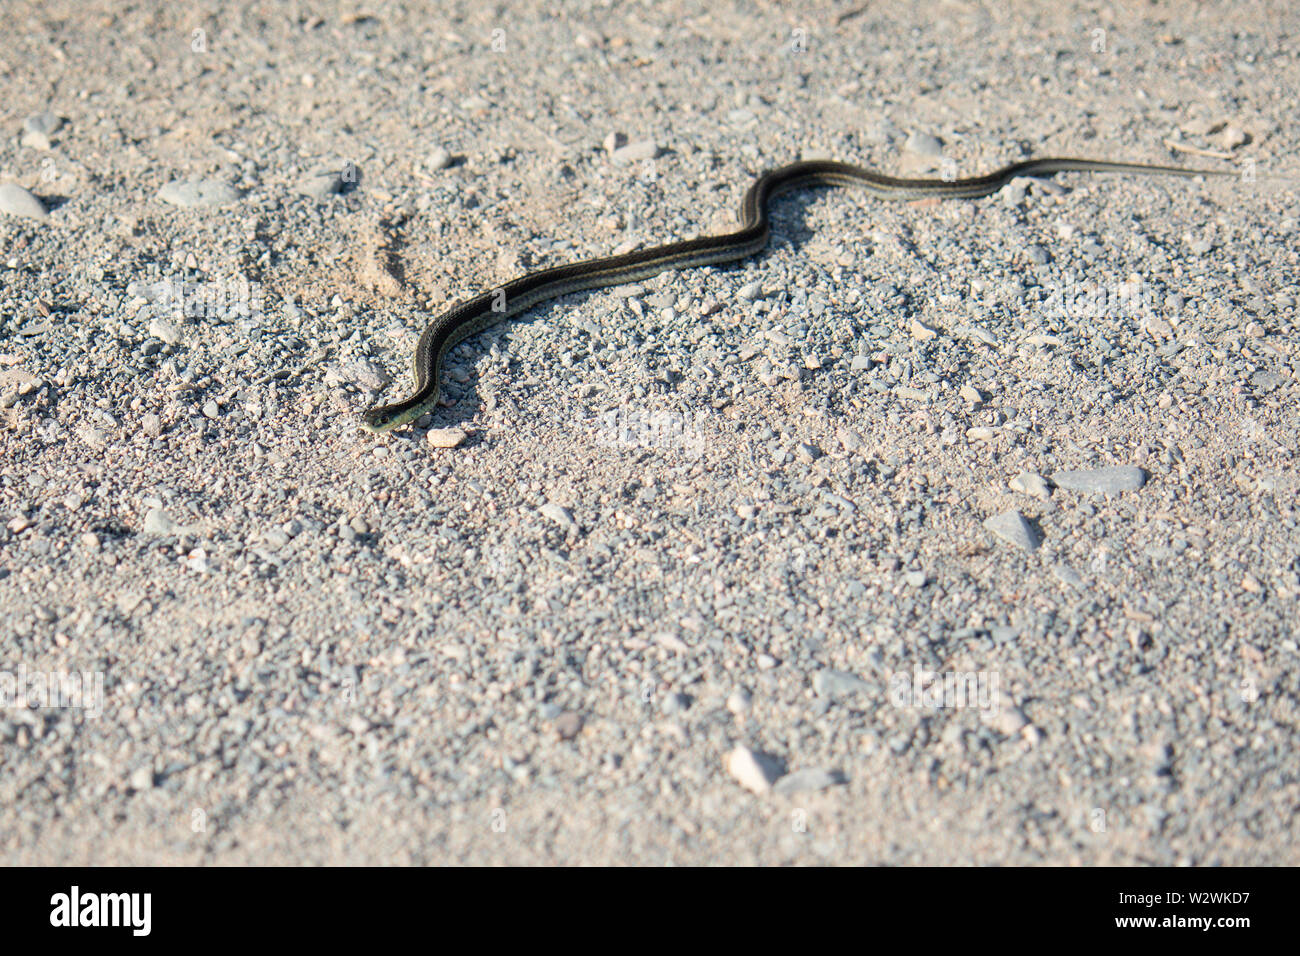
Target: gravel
(740,506)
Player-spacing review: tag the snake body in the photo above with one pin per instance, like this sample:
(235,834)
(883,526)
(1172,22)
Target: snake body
(518,295)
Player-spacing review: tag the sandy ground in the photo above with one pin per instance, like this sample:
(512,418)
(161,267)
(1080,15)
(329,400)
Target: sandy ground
(708,544)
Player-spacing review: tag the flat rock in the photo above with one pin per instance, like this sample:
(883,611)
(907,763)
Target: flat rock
(803,781)
(1102,481)
(16,201)
(833,683)
(364,373)
(445,437)
(159,522)
(1029,483)
(850,439)
(189,193)
(38,128)
(568,725)
(632,152)
(165,328)
(45,123)
(1007,719)
(557,513)
(1011,527)
(320,183)
(923,144)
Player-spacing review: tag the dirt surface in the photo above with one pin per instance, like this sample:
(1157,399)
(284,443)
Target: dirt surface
(941,532)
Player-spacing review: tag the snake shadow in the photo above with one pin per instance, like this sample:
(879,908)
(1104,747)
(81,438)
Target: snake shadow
(789,227)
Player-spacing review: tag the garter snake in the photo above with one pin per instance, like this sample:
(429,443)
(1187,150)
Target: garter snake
(518,295)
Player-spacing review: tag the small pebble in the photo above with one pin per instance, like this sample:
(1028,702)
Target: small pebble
(320,183)
(633,152)
(833,683)
(669,640)
(568,725)
(16,201)
(445,437)
(559,514)
(1029,483)
(923,144)
(739,702)
(165,328)
(922,332)
(1232,137)
(1006,720)
(189,193)
(38,130)
(755,772)
(1012,528)
(804,781)
(158,522)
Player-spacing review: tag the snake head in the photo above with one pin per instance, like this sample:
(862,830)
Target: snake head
(387,417)
(379,419)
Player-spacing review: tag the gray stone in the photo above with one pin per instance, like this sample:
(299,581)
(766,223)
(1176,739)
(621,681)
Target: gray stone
(1029,483)
(568,725)
(833,683)
(557,513)
(166,329)
(675,703)
(364,373)
(445,437)
(16,201)
(45,123)
(923,144)
(802,781)
(38,129)
(739,702)
(1011,527)
(189,193)
(632,152)
(159,522)
(1105,481)
(320,183)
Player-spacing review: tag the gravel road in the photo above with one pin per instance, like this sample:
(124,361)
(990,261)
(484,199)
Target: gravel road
(942,532)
